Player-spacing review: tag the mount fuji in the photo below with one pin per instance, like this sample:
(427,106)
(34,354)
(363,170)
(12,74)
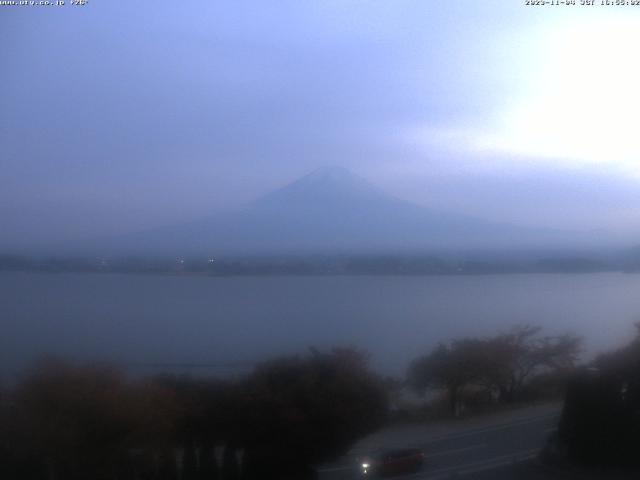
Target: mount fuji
(331,210)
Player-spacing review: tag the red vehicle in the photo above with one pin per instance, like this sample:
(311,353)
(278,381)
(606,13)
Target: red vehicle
(393,462)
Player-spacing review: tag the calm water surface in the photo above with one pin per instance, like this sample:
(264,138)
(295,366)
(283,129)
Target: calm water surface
(137,319)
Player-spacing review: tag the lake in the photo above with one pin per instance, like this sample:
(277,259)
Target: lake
(229,323)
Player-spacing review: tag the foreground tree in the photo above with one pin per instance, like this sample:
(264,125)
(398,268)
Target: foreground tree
(523,353)
(304,410)
(76,422)
(452,367)
(503,364)
(210,414)
(600,422)
(75,419)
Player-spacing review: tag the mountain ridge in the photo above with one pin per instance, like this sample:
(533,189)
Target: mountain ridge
(330,210)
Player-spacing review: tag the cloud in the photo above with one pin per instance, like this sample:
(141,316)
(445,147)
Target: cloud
(578,104)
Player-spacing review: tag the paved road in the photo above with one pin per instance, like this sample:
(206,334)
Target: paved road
(461,448)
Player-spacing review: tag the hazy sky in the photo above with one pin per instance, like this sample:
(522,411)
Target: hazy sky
(118,116)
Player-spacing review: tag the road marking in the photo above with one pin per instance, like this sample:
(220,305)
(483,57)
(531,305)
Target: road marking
(488,464)
(454,436)
(464,433)
(464,469)
(503,426)
(502,463)
(429,455)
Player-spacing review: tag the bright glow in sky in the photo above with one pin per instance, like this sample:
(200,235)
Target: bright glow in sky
(580,102)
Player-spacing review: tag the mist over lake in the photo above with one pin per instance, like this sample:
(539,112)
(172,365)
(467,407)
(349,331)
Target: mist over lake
(227,324)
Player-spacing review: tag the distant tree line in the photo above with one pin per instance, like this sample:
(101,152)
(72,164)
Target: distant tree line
(336,264)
